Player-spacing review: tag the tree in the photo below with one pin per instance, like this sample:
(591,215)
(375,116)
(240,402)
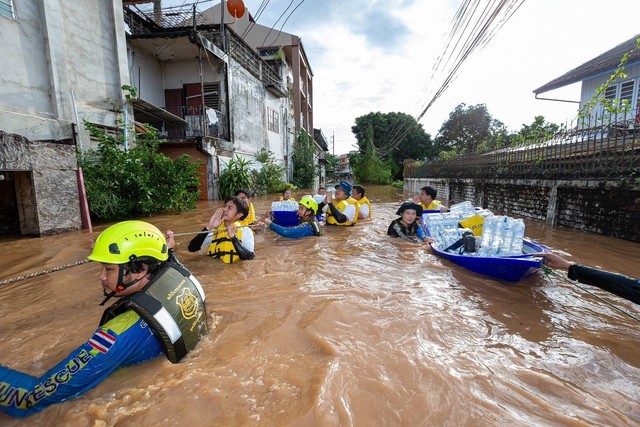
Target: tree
(367,167)
(467,129)
(395,136)
(538,131)
(304,162)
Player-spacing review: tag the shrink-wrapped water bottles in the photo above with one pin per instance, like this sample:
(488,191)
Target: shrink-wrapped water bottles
(518,237)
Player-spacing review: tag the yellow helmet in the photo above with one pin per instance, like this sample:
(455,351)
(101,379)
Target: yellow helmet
(309,203)
(128,240)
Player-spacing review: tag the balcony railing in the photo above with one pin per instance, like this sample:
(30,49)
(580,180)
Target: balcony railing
(201,121)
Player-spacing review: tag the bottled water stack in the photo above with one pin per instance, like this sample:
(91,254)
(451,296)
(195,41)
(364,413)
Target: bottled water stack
(501,236)
(286,205)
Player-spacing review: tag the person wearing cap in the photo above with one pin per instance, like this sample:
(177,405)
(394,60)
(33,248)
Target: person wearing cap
(341,209)
(251,216)
(160,309)
(427,199)
(223,237)
(408,226)
(308,223)
(365,210)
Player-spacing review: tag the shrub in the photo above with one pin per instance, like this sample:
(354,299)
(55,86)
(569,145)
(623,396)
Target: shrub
(236,176)
(137,182)
(269,178)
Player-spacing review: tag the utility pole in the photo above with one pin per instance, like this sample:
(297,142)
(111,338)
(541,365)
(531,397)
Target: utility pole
(333,143)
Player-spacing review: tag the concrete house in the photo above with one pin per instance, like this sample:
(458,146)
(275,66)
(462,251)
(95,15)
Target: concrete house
(594,73)
(52,79)
(207,103)
(285,53)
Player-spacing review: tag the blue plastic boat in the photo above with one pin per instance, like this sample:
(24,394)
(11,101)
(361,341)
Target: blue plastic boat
(512,268)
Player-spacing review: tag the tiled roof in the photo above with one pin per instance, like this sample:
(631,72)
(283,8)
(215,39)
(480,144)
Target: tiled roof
(605,62)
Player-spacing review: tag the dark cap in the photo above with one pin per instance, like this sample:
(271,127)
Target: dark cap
(410,205)
(346,187)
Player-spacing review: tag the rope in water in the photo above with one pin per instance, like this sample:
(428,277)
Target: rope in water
(40,273)
(74,264)
(550,272)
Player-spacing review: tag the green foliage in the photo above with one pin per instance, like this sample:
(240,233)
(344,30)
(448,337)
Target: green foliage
(613,106)
(539,131)
(137,182)
(269,178)
(368,168)
(395,136)
(304,163)
(467,128)
(397,184)
(236,176)
(130,92)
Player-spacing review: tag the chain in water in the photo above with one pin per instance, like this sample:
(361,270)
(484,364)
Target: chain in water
(550,272)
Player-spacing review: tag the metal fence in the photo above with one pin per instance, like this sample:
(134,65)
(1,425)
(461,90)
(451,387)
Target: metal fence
(600,146)
(201,121)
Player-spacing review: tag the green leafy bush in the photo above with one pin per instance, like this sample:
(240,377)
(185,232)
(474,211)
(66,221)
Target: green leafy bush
(137,182)
(269,178)
(236,176)
(304,164)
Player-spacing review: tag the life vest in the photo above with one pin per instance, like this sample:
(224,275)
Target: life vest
(365,201)
(173,305)
(222,246)
(251,216)
(341,206)
(290,199)
(435,205)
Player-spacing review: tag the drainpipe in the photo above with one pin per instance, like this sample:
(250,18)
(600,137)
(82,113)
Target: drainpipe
(125,119)
(75,113)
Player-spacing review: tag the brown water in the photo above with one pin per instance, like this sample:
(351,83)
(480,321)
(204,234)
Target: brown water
(349,329)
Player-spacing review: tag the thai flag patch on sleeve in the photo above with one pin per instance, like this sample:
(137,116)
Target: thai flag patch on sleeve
(102,341)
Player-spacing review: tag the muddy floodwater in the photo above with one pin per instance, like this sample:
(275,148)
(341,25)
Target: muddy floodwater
(352,328)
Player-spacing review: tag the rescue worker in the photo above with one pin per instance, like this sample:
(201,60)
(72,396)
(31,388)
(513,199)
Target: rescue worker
(226,238)
(427,199)
(343,209)
(251,216)
(138,266)
(408,226)
(365,210)
(618,284)
(308,223)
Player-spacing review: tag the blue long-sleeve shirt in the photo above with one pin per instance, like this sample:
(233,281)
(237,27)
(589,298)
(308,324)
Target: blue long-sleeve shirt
(301,230)
(124,340)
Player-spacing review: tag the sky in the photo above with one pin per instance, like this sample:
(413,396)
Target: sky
(377,55)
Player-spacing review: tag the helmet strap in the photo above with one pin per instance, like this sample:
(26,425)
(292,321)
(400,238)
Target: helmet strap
(121,286)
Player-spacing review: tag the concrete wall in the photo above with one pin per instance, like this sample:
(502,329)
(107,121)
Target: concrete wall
(604,207)
(54,47)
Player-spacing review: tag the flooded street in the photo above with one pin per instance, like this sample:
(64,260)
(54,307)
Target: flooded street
(352,328)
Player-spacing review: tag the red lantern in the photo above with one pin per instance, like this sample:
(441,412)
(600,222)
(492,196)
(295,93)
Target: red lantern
(235,8)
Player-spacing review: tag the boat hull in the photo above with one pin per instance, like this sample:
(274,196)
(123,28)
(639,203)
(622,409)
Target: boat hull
(511,269)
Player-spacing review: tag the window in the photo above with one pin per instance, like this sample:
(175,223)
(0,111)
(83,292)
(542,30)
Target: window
(626,91)
(6,8)
(272,120)
(610,92)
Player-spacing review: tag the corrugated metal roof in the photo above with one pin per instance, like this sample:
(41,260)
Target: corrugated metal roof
(604,62)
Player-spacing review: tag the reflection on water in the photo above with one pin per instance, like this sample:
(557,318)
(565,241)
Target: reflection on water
(351,328)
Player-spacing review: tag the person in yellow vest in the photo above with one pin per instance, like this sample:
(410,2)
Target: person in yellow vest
(286,196)
(223,237)
(427,199)
(341,209)
(365,205)
(251,216)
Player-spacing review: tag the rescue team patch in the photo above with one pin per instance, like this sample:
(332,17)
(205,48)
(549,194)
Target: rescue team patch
(102,341)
